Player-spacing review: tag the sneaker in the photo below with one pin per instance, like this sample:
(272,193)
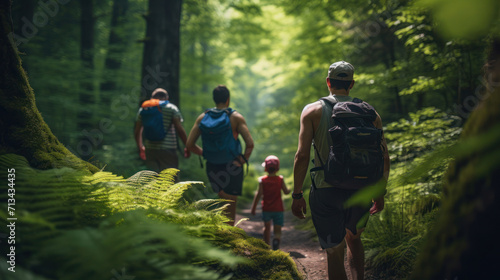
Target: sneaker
(276,244)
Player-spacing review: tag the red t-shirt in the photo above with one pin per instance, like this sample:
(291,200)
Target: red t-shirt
(271,193)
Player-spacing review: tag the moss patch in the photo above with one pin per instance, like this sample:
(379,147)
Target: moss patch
(263,263)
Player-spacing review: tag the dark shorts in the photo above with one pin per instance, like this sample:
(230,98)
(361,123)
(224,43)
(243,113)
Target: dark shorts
(158,160)
(331,219)
(276,217)
(226,177)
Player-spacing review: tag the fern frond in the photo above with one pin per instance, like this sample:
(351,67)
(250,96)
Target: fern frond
(205,203)
(76,225)
(141,178)
(102,176)
(241,220)
(135,238)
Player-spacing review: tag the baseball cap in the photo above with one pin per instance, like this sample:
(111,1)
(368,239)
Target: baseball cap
(271,161)
(341,70)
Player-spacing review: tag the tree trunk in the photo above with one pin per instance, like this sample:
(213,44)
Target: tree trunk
(22,129)
(22,15)
(116,49)
(160,65)
(388,39)
(86,93)
(463,243)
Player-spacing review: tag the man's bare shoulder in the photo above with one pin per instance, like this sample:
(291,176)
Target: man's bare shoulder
(237,117)
(200,117)
(313,109)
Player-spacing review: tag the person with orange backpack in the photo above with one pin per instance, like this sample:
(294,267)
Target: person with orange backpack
(159,122)
(270,187)
(219,129)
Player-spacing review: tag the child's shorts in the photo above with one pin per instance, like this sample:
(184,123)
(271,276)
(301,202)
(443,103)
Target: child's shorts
(277,217)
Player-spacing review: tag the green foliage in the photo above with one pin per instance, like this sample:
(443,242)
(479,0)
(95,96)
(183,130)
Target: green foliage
(420,149)
(424,131)
(392,244)
(146,249)
(411,59)
(74,225)
(462,18)
(455,246)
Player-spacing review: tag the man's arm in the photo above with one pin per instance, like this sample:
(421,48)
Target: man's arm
(193,136)
(182,134)
(242,129)
(302,157)
(138,139)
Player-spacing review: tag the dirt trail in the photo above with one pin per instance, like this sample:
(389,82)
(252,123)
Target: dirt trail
(307,254)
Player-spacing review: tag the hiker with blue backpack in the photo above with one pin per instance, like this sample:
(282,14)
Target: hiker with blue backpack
(219,129)
(159,122)
(350,153)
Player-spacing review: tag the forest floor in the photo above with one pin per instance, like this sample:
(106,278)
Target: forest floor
(307,254)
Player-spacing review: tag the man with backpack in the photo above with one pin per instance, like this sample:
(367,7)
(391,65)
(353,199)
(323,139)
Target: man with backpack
(159,122)
(350,154)
(219,128)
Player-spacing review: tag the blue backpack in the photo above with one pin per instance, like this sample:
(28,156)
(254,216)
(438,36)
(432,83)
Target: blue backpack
(152,121)
(219,145)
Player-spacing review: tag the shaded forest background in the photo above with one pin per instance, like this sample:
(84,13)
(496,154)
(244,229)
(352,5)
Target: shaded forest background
(419,63)
(84,60)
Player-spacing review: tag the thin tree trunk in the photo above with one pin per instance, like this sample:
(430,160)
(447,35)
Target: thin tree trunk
(86,94)
(160,65)
(23,11)
(116,49)
(398,105)
(420,100)
(22,129)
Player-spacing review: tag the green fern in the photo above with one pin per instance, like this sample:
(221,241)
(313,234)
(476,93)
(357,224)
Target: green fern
(421,149)
(148,249)
(76,225)
(60,206)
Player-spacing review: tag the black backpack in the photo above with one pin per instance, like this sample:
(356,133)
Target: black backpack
(355,159)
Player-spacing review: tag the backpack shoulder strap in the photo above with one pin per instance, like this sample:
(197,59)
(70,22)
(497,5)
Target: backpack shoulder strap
(329,101)
(229,111)
(209,110)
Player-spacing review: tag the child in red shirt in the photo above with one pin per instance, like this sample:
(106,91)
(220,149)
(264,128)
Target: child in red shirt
(270,187)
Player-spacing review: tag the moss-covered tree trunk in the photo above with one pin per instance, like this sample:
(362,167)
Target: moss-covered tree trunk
(463,244)
(22,129)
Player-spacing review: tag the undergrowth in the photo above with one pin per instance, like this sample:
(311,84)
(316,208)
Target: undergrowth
(75,225)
